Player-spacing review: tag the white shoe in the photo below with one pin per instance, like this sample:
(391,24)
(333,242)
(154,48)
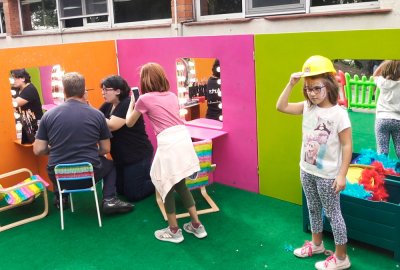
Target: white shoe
(199,232)
(167,235)
(309,249)
(333,263)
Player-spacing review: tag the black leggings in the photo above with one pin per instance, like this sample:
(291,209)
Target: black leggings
(184,193)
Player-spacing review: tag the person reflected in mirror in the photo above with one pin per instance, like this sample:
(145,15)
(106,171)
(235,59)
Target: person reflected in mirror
(75,132)
(131,149)
(387,119)
(27,96)
(175,158)
(325,155)
(213,93)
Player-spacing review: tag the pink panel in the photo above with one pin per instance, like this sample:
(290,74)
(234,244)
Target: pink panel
(235,153)
(45,75)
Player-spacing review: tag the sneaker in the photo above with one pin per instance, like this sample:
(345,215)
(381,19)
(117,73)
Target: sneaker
(309,249)
(199,232)
(115,205)
(167,235)
(65,202)
(333,263)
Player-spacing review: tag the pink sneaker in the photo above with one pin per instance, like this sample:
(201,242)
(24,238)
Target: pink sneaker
(308,249)
(333,263)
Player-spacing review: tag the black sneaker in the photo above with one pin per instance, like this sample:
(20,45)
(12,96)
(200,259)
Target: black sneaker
(65,202)
(115,205)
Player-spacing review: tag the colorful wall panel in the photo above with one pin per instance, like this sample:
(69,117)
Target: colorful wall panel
(94,60)
(279,135)
(236,153)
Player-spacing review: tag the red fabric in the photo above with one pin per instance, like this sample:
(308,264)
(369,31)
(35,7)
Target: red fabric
(373,180)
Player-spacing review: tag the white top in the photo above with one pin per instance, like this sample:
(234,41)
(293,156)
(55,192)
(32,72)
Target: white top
(321,152)
(388,106)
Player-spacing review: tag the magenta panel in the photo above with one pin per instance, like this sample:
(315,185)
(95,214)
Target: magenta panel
(236,152)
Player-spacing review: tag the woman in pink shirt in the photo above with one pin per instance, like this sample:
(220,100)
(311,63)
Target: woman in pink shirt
(175,158)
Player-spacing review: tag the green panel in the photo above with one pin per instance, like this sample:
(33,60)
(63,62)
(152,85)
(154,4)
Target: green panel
(35,80)
(276,57)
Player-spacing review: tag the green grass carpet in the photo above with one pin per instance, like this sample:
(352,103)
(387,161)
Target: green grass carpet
(251,231)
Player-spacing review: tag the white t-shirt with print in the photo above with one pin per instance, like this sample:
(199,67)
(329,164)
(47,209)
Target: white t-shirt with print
(321,151)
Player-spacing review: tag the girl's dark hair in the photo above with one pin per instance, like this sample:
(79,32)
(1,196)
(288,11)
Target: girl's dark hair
(391,70)
(21,73)
(116,82)
(153,78)
(214,70)
(331,84)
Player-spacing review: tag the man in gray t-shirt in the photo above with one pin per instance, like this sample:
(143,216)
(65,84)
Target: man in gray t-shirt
(75,132)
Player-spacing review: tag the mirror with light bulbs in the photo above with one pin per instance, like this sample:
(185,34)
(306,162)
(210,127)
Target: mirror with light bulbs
(32,90)
(199,90)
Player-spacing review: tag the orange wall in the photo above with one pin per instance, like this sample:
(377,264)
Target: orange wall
(94,60)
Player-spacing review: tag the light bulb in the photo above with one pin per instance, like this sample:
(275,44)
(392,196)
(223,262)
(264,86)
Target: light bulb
(16,115)
(220,106)
(220,118)
(219,81)
(18,126)
(218,69)
(11,80)
(13,92)
(15,104)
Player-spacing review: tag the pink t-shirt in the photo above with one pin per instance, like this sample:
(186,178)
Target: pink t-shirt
(162,108)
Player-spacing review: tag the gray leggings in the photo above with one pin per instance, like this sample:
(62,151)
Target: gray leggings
(384,128)
(320,194)
(183,192)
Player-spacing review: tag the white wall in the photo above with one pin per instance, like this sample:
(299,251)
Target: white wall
(252,26)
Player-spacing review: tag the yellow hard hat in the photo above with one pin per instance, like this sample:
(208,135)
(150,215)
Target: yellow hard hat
(316,65)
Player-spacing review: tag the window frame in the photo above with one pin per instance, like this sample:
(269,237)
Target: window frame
(84,17)
(55,30)
(340,7)
(306,8)
(300,7)
(200,17)
(137,23)
(2,31)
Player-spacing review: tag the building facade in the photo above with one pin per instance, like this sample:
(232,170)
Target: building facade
(46,22)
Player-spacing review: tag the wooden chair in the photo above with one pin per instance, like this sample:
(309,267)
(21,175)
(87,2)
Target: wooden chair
(204,152)
(22,194)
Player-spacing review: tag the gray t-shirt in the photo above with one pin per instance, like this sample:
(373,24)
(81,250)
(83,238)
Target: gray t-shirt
(73,130)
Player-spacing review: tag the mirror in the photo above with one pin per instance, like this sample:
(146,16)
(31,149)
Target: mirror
(33,90)
(199,91)
(359,93)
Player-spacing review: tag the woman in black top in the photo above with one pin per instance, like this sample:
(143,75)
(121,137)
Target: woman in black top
(213,93)
(27,97)
(131,149)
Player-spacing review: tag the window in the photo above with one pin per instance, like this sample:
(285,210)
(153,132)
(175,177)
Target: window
(214,9)
(270,7)
(38,14)
(2,19)
(263,7)
(77,13)
(141,10)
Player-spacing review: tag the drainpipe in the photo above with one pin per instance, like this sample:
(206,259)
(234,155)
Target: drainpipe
(176,28)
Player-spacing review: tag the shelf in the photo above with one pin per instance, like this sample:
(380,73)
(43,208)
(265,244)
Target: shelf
(202,133)
(206,123)
(18,141)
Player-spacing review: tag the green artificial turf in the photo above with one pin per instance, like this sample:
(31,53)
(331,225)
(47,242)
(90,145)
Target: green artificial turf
(250,231)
